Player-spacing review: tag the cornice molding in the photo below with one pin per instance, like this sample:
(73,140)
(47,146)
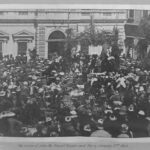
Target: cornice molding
(52,21)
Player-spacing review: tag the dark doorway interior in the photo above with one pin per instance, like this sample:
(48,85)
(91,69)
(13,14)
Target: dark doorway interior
(56,43)
(22,48)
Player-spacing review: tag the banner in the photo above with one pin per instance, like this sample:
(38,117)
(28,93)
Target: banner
(95,50)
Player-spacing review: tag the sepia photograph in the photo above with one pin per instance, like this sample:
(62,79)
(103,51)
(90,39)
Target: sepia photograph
(75,73)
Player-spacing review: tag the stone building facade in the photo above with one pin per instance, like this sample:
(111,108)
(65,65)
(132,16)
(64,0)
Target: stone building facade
(45,30)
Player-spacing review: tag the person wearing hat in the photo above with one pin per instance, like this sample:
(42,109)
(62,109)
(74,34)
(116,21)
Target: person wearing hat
(68,120)
(142,101)
(9,125)
(25,92)
(5,103)
(100,132)
(42,131)
(86,130)
(85,116)
(2,93)
(140,125)
(68,128)
(31,111)
(111,125)
(125,133)
(110,89)
(148,105)
(116,100)
(132,114)
(128,96)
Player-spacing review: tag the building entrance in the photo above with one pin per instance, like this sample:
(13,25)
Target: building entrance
(56,43)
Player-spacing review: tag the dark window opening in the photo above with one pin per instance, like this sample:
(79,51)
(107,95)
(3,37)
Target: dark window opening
(145,13)
(131,13)
(22,48)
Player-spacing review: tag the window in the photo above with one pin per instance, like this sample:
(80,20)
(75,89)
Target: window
(145,13)
(85,12)
(23,13)
(22,48)
(107,13)
(131,13)
(1,13)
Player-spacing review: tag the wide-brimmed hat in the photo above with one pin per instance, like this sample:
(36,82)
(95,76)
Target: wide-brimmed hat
(73,112)
(108,111)
(112,117)
(25,83)
(141,113)
(100,121)
(61,73)
(5,114)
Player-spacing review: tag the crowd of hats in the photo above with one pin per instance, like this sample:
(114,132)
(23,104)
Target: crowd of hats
(59,98)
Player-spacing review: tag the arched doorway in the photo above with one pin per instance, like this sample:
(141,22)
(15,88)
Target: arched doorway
(56,43)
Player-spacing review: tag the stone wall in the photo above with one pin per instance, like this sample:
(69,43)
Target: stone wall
(41,23)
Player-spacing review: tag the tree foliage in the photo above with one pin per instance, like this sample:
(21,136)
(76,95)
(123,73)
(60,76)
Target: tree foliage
(98,37)
(91,36)
(144,27)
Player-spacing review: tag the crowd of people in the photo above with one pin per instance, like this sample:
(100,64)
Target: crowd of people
(93,96)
